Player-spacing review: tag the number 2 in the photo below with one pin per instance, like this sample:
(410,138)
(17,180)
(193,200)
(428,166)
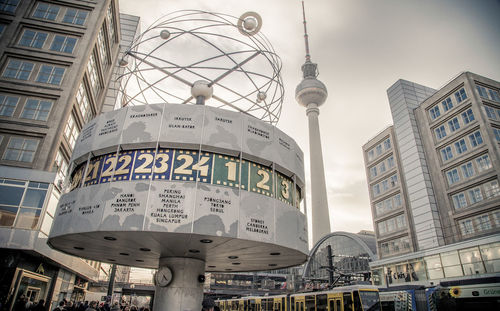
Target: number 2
(265,178)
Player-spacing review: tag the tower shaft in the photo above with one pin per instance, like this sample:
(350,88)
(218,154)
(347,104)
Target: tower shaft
(319,211)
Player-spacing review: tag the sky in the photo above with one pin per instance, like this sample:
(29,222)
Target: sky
(361,47)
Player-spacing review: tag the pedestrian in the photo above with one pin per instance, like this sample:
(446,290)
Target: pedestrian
(40,306)
(115,306)
(208,304)
(60,307)
(92,306)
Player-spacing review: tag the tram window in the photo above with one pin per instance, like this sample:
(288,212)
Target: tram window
(337,302)
(330,307)
(251,305)
(301,306)
(321,302)
(310,303)
(357,301)
(347,302)
(283,303)
(292,304)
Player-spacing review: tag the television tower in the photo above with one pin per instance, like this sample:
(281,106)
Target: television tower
(311,93)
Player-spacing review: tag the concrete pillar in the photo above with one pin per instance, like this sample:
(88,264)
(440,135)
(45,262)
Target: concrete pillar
(185,291)
(319,210)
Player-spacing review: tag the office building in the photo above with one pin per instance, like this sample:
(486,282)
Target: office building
(57,59)
(433,183)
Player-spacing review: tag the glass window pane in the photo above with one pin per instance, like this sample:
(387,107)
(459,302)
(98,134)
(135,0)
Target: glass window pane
(34,198)
(473,268)
(11,195)
(7,215)
(490,251)
(28,218)
(453,271)
(470,255)
(492,266)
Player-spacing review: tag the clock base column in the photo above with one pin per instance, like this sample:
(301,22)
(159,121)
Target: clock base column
(185,291)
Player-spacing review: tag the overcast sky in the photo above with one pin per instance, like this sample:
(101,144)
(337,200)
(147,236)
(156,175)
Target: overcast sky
(361,47)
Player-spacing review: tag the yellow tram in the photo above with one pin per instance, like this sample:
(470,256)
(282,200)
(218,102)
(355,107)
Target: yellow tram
(346,298)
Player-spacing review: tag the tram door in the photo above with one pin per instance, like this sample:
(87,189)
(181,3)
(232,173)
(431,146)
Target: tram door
(277,305)
(300,303)
(335,304)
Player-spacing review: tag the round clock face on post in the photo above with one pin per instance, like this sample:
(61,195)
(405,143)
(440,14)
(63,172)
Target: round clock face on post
(163,277)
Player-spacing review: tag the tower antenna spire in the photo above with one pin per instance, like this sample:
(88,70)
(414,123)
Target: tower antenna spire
(306,36)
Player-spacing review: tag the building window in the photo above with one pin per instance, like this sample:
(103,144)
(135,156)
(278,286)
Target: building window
(396,246)
(385,185)
(460,146)
(440,132)
(390,162)
(382,167)
(111,24)
(446,153)
(434,112)
(483,222)
(2,28)
(17,69)
(71,131)
(371,155)
(103,48)
(482,91)
(497,134)
(452,176)
(491,112)
(93,75)
(378,149)
(460,95)
(466,227)
(64,44)
(373,172)
(34,39)
(467,170)
(459,201)
(83,102)
(394,181)
(46,11)
(36,109)
(76,17)
(62,167)
(8,105)
(483,163)
(376,190)
(475,195)
(8,6)
(21,198)
(491,189)
(21,149)
(494,95)
(453,125)
(50,74)
(387,144)
(468,116)
(475,139)
(447,104)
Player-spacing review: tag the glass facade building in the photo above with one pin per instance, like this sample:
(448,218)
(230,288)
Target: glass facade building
(444,223)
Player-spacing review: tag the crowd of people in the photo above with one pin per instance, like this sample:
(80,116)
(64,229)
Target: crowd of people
(24,304)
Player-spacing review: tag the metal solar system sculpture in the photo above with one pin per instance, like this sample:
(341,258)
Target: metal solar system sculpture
(224,58)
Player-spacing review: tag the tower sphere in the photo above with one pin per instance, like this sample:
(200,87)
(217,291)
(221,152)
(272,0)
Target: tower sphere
(230,53)
(311,91)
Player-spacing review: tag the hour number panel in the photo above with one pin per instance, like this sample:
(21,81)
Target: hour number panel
(284,189)
(93,174)
(143,164)
(108,166)
(226,171)
(163,164)
(124,166)
(261,179)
